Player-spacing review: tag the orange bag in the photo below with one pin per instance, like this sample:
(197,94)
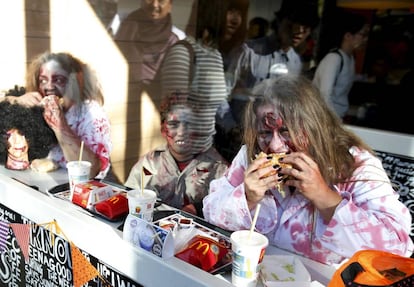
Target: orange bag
(374,268)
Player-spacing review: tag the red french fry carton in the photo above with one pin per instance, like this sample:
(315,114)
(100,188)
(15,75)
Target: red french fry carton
(114,207)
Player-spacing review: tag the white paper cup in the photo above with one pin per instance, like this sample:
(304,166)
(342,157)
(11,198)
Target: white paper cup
(247,256)
(141,204)
(78,171)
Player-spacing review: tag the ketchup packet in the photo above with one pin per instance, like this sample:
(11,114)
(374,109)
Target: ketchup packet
(203,252)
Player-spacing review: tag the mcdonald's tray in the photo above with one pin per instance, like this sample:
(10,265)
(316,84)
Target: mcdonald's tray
(62,192)
(193,225)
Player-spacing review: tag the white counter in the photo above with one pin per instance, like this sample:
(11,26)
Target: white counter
(102,239)
(386,141)
(43,181)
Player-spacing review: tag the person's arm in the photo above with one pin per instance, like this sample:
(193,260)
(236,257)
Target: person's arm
(134,178)
(388,220)
(370,214)
(226,205)
(326,74)
(93,129)
(252,65)
(69,142)
(29,99)
(221,207)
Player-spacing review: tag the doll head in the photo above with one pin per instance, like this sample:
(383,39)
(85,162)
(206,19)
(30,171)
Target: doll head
(17,150)
(24,135)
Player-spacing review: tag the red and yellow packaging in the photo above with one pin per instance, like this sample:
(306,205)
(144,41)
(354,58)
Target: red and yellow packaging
(87,194)
(203,252)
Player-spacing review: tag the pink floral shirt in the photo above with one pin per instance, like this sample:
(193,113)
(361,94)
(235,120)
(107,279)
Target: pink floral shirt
(370,215)
(91,124)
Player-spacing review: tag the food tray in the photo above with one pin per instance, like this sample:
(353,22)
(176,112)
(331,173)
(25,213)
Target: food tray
(62,192)
(204,228)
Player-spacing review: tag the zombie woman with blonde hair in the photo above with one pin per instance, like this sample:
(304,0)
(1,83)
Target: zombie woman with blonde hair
(329,196)
(72,98)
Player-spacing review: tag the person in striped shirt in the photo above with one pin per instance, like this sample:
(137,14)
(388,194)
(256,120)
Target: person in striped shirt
(197,70)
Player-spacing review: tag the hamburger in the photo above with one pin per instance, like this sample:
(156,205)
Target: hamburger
(275,160)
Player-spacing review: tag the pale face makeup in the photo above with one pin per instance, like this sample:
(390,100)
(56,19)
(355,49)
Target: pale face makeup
(52,79)
(177,130)
(157,9)
(272,135)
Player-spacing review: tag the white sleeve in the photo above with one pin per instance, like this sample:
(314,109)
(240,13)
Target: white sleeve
(326,74)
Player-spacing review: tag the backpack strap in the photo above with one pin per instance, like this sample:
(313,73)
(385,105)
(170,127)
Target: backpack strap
(189,46)
(336,51)
(190,49)
(310,74)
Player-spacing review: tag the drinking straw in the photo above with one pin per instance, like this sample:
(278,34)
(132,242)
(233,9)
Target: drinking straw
(142,180)
(256,214)
(80,153)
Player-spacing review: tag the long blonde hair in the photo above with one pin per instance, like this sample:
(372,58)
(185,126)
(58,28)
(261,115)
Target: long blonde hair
(313,127)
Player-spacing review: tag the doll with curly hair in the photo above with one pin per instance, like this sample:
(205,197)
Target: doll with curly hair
(25,135)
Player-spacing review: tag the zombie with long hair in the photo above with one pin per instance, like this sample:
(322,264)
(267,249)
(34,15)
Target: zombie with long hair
(70,93)
(327,198)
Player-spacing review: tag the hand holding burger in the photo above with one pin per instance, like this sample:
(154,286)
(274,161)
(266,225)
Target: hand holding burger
(275,160)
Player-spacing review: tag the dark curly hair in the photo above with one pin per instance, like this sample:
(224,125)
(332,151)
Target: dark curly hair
(30,123)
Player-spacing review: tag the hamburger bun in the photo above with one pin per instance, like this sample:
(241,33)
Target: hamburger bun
(275,160)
